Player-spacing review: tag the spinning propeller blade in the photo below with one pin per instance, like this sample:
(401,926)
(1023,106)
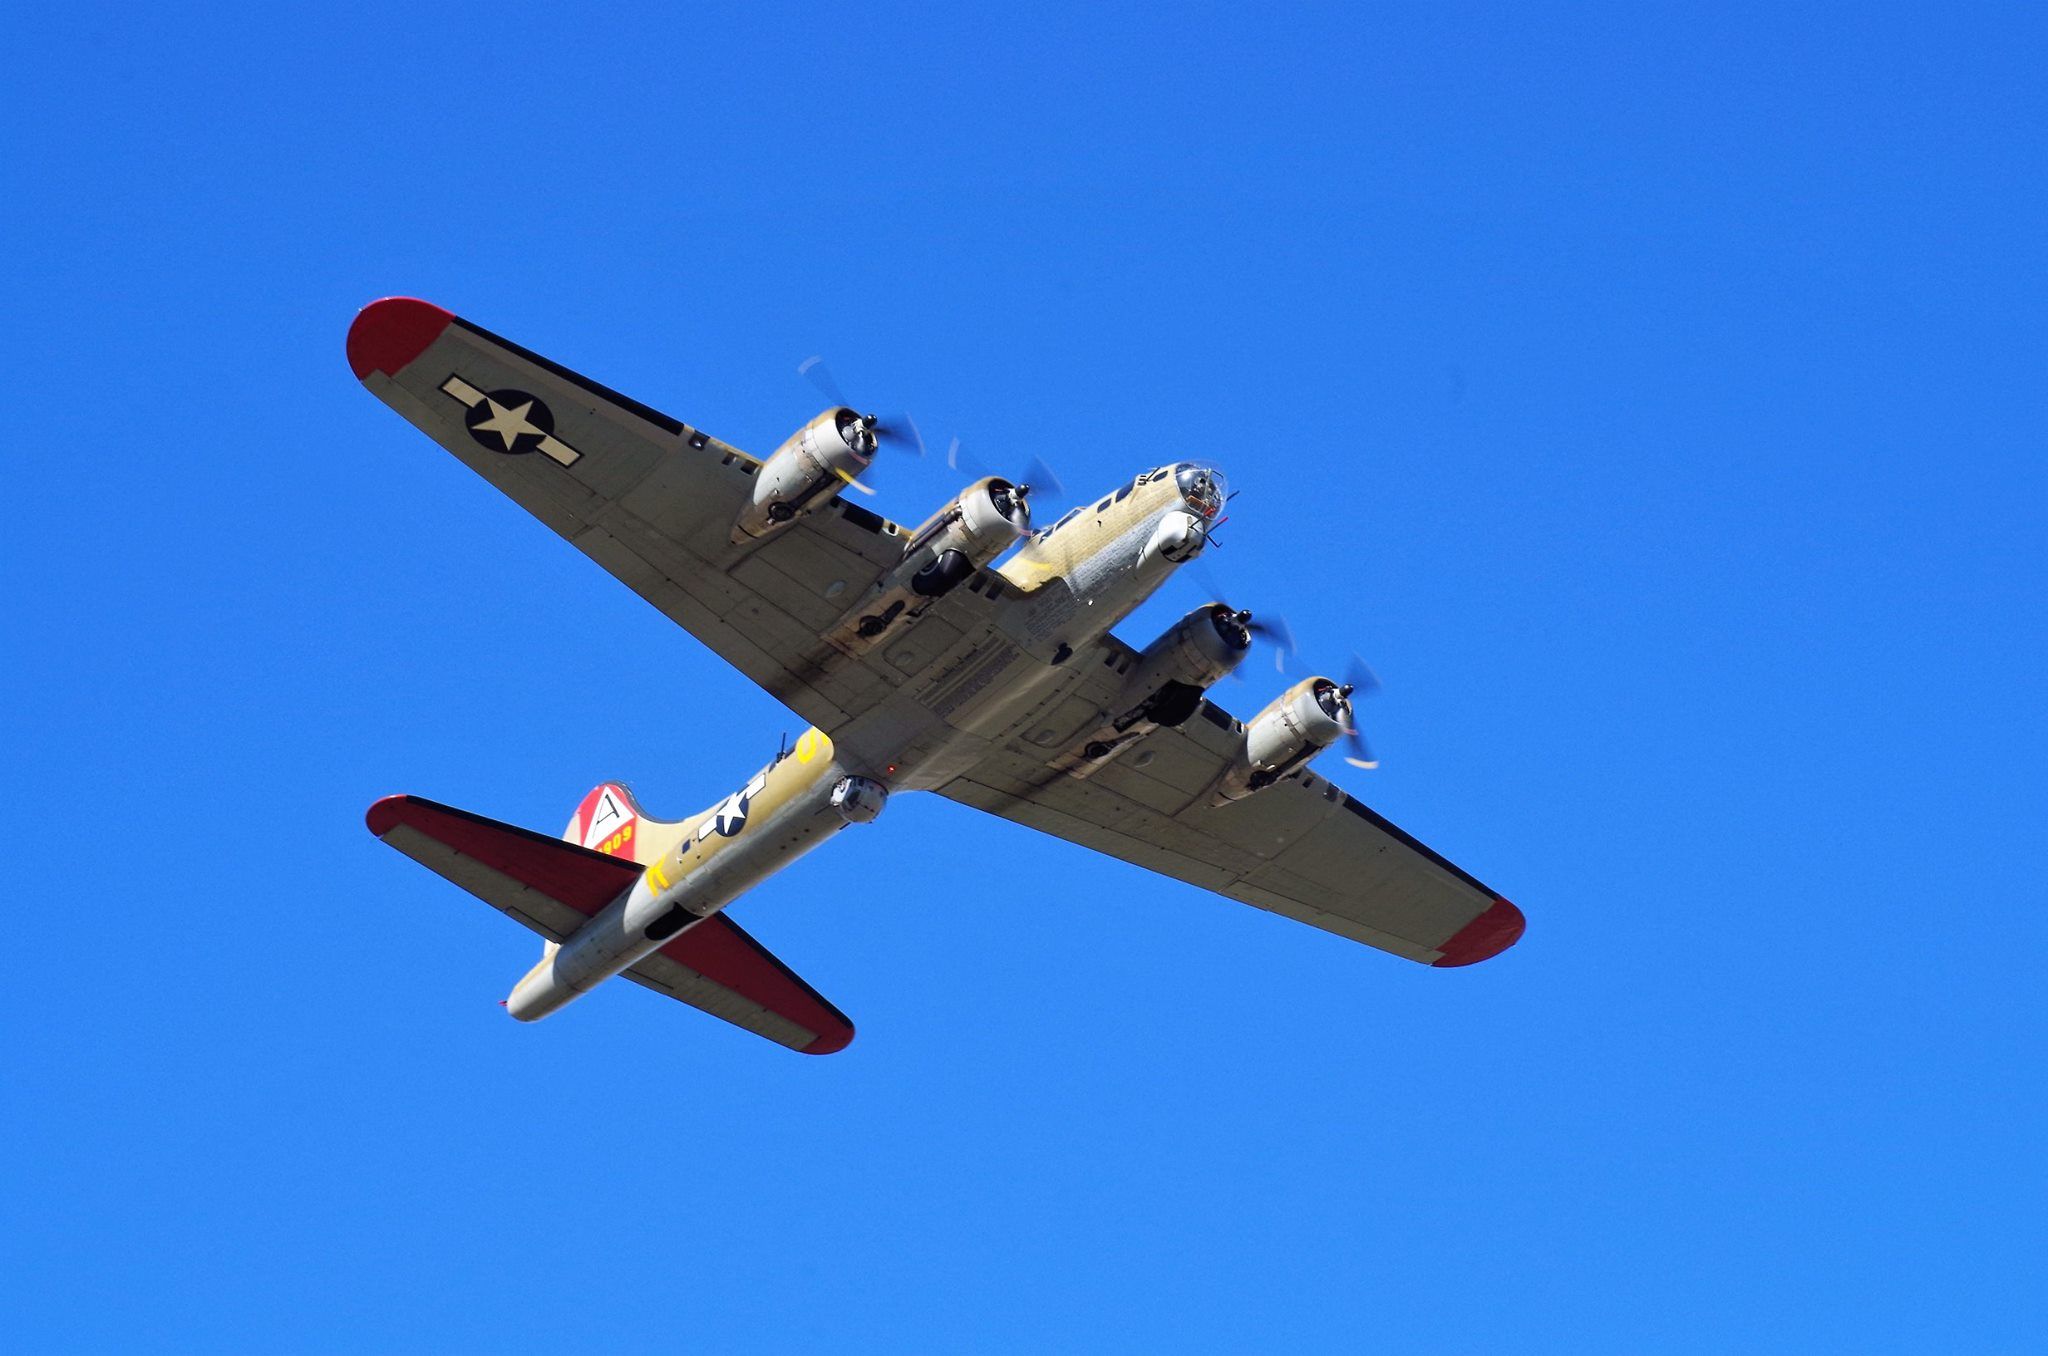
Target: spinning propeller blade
(1359,681)
(898,430)
(1272,628)
(1275,632)
(813,370)
(901,429)
(1042,480)
(1037,481)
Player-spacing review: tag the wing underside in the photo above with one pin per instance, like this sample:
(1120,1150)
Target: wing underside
(1302,847)
(647,497)
(652,500)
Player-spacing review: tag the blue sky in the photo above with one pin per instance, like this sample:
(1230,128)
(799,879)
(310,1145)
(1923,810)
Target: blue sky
(1655,397)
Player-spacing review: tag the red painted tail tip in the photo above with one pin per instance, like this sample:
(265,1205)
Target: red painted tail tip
(1486,936)
(382,817)
(390,333)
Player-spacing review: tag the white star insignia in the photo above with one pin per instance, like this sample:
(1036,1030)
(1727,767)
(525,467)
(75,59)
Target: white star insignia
(508,423)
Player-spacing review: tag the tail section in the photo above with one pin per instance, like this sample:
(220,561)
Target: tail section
(554,887)
(610,820)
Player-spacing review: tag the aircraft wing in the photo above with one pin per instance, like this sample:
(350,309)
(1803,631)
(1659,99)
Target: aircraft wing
(1302,847)
(554,887)
(646,496)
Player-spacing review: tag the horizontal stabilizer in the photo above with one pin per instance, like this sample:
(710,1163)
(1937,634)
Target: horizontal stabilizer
(718,967)
(553,887)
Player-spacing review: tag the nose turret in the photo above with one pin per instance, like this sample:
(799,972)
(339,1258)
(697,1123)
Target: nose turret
(1201,488)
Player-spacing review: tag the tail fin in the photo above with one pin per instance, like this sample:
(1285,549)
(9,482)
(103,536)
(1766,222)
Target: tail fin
(610,820)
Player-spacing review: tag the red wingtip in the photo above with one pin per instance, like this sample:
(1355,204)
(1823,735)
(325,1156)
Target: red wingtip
(383,816)
(831,1043)
(1491,933)
(390,333)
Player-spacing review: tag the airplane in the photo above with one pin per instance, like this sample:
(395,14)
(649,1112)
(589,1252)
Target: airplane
(970,656)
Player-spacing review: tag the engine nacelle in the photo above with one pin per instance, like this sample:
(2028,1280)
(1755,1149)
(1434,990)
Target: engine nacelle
(807,471)
(988,517)
(1165,686)
(1299,724)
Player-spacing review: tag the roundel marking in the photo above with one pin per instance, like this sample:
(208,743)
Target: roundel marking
(731,816)
(510,421)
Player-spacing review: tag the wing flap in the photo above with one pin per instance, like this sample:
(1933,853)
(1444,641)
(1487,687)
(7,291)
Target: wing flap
(553,887)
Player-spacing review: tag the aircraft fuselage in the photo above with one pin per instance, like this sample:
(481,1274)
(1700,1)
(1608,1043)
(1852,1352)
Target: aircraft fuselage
(1065,587)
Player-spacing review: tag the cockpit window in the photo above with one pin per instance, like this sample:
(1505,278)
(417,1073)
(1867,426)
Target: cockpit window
(1201,488)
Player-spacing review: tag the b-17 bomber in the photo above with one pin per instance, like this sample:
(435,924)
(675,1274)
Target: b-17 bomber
(971,656)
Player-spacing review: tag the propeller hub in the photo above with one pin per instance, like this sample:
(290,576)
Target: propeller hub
(1231,626)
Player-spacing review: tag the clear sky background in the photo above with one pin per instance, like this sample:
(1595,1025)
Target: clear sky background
(1653,396)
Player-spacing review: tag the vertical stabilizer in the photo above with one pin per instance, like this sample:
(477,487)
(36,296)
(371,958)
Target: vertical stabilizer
(610,820)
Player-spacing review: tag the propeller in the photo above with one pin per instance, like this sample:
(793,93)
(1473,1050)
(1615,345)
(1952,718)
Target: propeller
(901,431)
(1040,477)
(898,429)
(1272,629)
(1037,478)
(1276,633)
(1359,681)
(813,370)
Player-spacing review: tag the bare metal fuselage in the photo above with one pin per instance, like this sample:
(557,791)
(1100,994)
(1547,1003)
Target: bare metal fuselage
(1073,581)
